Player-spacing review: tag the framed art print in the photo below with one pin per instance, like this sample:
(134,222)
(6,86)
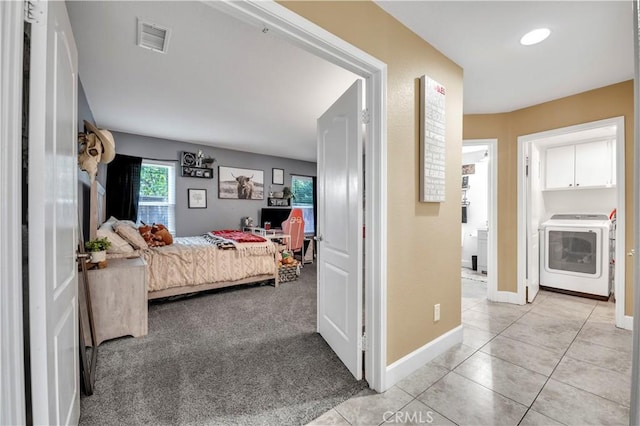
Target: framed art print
(197,198)
(240,184)
(277,176)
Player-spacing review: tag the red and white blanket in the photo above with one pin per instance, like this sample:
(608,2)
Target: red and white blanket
(244,242)
(238,236)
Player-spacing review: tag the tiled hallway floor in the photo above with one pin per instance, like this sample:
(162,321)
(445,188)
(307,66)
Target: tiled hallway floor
(559,360)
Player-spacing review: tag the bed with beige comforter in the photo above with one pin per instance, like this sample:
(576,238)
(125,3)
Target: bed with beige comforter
(193,264)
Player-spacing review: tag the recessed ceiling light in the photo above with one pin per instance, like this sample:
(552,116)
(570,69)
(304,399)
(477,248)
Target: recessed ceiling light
(535,36)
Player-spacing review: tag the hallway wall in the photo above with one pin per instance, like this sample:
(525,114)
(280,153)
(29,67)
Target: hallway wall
(606,102)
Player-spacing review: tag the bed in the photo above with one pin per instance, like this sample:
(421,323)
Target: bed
(191,264)
(194,264)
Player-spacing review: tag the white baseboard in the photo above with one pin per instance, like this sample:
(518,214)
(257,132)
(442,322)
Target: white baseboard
(506,297)
(416,359)
(627,323)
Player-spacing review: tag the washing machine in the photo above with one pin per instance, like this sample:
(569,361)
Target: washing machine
(574,253)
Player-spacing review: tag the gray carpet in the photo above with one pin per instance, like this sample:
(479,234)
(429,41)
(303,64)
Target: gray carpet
(243,355)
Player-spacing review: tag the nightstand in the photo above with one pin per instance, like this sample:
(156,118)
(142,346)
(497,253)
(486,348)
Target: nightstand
(119,299)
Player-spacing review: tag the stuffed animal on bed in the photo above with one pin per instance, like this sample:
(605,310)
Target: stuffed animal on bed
(156,235)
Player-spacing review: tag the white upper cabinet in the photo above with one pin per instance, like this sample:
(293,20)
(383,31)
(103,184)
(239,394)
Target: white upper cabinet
(560,167)
(583,165)
(593,164)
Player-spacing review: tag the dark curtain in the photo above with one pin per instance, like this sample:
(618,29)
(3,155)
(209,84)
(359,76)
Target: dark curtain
(123,187)
(315,207)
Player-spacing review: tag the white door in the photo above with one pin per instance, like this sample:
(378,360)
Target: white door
(340,228)
(534,213)
(53,287)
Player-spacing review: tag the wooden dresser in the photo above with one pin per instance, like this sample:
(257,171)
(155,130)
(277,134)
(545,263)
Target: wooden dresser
(119,299)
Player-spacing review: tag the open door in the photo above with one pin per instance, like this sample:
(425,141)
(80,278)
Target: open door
(340,228)
(534,210)
(53,199)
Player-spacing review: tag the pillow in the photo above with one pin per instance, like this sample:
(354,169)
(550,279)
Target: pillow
(109,222)
(118,245)
(130,234)
(128,223)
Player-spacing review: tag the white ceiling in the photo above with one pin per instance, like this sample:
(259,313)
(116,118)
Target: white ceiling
(591,45)
(226,83)
(222,82)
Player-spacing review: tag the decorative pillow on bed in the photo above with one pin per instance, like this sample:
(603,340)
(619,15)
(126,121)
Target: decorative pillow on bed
(118,244)
(129,223)
(130,234)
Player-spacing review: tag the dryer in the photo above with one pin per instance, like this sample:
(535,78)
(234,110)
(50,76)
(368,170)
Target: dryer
(575,253)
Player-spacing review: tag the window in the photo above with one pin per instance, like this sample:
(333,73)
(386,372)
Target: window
(302,189)
(157,202)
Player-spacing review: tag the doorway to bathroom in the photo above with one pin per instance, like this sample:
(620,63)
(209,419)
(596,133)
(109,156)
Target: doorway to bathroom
(479,201)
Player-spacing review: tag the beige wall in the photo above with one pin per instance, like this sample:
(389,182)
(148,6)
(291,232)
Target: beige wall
(423,238)
(607,102)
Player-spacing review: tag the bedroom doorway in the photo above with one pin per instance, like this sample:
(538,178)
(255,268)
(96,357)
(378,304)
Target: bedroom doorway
(325,45)
(274,18)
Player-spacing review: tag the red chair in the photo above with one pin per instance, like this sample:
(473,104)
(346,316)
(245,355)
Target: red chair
(294,226)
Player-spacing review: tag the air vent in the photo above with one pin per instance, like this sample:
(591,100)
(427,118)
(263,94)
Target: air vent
(153,37)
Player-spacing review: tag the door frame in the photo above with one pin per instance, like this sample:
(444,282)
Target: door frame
(12,386)
(622,321)
(634,414)
(492,217)
(278,19)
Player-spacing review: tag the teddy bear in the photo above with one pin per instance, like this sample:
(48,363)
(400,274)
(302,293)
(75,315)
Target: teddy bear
(156,235)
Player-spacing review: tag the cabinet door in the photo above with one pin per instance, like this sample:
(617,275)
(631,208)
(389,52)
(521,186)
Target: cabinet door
(560,167)
(593,164)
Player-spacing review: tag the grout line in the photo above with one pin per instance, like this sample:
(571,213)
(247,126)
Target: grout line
(492,390)
(556,367)
(340,414)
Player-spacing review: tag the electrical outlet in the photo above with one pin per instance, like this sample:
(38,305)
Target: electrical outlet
(436,312)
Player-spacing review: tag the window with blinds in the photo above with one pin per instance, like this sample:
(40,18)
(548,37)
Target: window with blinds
(302,189)
(157,202)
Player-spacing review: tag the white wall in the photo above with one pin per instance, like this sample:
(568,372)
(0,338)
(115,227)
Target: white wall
(477,211)
(601,200)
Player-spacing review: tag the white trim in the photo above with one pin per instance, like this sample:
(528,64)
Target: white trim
(627,323)
(619,281)
(621,255)
(418,358)
(492,217)
(509,297)
(324,44)
(12,386)
(634,412)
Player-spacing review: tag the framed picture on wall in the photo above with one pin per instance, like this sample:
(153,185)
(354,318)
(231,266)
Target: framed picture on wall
(277,176)
(240,184)
(197,198)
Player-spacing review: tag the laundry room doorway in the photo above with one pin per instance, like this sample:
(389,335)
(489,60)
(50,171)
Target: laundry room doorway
(575,171)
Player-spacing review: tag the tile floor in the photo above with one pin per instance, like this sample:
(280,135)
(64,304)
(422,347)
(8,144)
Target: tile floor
(559,360)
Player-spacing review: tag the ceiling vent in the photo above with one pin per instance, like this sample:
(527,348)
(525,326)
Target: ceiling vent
(153,37)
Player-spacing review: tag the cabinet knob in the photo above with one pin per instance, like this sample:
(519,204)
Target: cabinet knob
(570,184)
(577,184)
